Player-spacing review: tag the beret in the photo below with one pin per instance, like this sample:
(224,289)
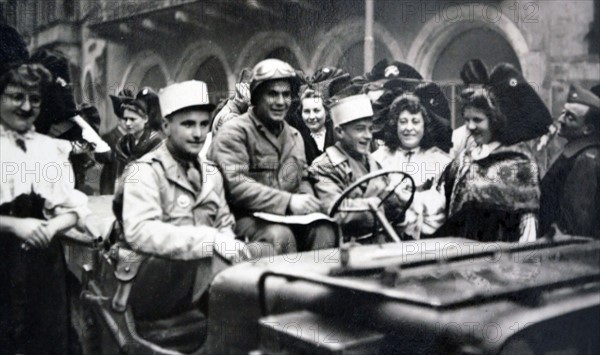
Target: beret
(579,95)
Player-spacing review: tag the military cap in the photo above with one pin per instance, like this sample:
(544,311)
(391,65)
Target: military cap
(579,95)
(350,109)
(182,95)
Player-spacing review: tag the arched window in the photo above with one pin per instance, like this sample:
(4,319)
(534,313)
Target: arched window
(153,78)
(353,58)
(211,71)
(492,48)
(284,54)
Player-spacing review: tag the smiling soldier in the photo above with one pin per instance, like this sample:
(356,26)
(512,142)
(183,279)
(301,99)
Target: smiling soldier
(174,203)
(347,161)
(262,158)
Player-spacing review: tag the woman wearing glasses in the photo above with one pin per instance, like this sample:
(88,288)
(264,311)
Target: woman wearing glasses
(37,201)
(492,187)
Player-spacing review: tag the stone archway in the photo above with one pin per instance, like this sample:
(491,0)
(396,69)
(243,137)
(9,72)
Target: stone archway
(198,54)
(263,43)
(340,38)
(435,35)
(139,67)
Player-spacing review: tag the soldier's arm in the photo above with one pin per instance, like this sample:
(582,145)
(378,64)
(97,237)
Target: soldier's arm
(231,110)
(224,221)
(229,151)
(329,185)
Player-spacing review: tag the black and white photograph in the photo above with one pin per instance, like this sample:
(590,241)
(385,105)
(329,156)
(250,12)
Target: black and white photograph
(278,177)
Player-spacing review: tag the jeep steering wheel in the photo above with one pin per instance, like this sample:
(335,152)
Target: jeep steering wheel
(387,227)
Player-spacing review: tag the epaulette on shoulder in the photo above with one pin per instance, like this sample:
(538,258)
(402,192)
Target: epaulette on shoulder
(147,158)
(335,156)
(321,159)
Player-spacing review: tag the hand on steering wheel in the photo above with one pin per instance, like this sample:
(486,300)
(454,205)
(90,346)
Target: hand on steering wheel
(404,188)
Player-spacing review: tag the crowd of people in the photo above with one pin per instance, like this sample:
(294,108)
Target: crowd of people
(190,178)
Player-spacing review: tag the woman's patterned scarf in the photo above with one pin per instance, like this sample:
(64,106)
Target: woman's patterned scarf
(506,180)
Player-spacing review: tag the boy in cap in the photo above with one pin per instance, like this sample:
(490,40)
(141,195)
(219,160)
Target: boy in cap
(174,203)
(262,158)
(349,160)
(571,187)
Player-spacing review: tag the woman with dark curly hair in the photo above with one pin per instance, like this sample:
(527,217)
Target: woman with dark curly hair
(410,146)
(409,143)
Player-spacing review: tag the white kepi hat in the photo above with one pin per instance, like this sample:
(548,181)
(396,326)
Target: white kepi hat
(350,109)
(183,95)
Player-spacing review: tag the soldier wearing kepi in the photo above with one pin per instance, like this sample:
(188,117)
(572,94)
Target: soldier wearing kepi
(262,158)
(571,188)
(174,203)
(347,161)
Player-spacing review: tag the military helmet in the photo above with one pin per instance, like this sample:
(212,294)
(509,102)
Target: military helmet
(270,69)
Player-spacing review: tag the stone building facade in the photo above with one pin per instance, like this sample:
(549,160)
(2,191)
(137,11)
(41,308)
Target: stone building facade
(113,44)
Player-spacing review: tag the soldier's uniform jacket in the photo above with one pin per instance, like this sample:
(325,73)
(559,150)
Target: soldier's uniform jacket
(163,214)
(261,170)
(334,171)
(571,190)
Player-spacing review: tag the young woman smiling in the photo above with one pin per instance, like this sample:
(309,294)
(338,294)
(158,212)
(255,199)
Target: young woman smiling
(492,188)
(410,146)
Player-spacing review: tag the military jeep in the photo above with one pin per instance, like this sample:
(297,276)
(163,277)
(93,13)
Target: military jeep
(447,295)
